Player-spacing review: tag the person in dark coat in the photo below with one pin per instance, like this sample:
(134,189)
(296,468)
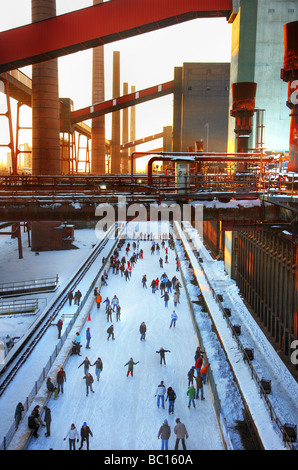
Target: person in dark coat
(190,375)
(110,332)
(162,352)
(166,297)
(18,413)
(33,424)
(87,364)
(130,365)
(85,433)
(61,378)
(89,381)
(59,326)
(51,388)
(181,434)
(143,330)
(98,367)
(70,297)
(164,433)
(47,419)
(171,396)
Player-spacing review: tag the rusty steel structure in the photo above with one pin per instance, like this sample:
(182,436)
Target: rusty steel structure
(289,74)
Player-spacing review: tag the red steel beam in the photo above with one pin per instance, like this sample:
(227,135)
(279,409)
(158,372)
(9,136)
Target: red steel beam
(97,25)
(115,104)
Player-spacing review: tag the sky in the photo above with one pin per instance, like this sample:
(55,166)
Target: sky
(145,61)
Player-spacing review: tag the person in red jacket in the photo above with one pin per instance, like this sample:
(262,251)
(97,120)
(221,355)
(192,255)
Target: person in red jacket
(198,365)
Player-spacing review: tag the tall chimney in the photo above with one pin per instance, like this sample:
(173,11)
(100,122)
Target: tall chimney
(98,148)
(115,144)
(132,135)
(124,155)
(45,104)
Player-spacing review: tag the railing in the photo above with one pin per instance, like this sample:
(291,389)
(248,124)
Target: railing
(18,306)
(23,287)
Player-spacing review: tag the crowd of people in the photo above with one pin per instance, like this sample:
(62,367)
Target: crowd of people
(123,265)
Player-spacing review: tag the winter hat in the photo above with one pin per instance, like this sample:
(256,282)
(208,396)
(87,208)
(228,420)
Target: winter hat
(165,421)
(85,424)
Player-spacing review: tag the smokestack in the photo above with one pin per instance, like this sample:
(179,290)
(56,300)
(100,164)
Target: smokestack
(98,148)
(132,136)
(45,104)
(290,74)
(124,155)
(115,144)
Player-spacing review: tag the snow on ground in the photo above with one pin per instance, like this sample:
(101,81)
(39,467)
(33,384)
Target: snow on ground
(122,413)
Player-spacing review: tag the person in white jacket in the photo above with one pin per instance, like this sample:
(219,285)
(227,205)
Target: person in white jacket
(160,393)
(73,435)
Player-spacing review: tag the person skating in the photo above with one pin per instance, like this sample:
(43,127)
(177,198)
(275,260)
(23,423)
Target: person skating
(98,300)
(160,394)
(72,436)
(166,298)
(98,367)
(115,302)
(143,330)
(181,434)
(70,297)
(85,433)
(118,313)
(89,381)
(174,318)
(153,286)
(18,413)
(164,433)
(191,393)
(199,387)
(86,364)
(59,326)
(51,388)
(190,375)
(162,352)
(144,281)
(110,332)
(130,365)
(61,378)
(88,338)
(48,420)
(109,313)
(204,372)
(171,396)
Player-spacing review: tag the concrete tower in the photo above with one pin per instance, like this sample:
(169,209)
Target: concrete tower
(98,124)
(124,156)
(257,56)
(115,144)
(45,104)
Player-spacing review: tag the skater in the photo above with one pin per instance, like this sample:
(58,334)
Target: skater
(89,381)
(160,262)
(85,433)
(164,433)
(143,330)
(169,285)
(110,332)
(204,372)
(87,364)
(98,300)
(115,302)
(61,378)
(48,419)
(59,326)
(198,365)
(130,365)
(118,313)
(77,297)
(18,413)
(144,281)
(162,352)
(109,313)
(160,394)
(107,302)
(33,424)
(190,375)
(72,435)
(51,388)
(174,318)
(88,338)
(181,434)
(171,396)
(166,297)
(198,353)
(175,299)
(98,367)
(153,286)
(70,297)
(191,393)
(199,387)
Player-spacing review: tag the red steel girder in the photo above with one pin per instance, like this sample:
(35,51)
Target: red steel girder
(115,104)
(97,25)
